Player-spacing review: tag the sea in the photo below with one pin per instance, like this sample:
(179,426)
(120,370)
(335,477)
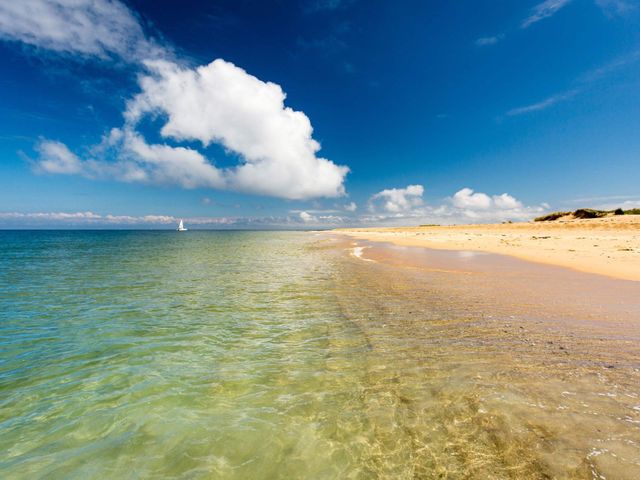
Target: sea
(290,355)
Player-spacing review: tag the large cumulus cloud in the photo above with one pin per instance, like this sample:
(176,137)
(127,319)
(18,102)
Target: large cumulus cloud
(216,103)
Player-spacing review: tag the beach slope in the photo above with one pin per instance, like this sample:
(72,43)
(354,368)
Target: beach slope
(606,246)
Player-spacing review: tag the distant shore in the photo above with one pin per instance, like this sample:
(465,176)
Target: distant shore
(606,246)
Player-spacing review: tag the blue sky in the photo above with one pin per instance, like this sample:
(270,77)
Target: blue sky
(315,112)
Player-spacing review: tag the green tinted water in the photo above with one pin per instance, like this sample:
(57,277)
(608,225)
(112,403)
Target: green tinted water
(272,355)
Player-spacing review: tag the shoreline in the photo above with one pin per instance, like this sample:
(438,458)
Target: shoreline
(607,246)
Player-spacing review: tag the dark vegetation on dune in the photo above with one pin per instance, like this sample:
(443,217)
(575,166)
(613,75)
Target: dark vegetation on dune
(586,213)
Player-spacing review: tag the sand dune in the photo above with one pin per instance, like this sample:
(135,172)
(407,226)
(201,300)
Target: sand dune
(606,246)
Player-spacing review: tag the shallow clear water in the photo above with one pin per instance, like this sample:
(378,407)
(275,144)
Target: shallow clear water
(279,355)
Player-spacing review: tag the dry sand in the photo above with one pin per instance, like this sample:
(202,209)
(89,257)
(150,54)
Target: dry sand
(606,246)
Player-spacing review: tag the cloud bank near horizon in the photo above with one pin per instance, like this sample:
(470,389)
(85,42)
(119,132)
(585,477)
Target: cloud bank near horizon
(405,205)
(218,103)
(393,206)
(92,220)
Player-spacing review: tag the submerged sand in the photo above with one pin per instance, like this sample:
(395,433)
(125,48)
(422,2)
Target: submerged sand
(606,246)
(495,367)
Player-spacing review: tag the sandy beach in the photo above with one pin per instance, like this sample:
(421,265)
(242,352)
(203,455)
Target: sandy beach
(606,246)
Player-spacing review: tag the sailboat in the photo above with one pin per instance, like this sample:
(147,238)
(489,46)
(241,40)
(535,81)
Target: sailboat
(181,227)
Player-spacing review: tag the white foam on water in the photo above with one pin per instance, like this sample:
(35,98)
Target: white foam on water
(357,252)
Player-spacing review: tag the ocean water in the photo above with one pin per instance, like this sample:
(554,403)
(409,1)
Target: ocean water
(284,355)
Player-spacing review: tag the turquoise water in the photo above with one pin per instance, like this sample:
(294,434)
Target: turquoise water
(147,353)
(276,355)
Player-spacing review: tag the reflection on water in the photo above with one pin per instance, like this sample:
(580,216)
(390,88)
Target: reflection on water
(283,355)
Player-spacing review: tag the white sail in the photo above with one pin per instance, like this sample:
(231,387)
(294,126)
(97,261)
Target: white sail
(181,227)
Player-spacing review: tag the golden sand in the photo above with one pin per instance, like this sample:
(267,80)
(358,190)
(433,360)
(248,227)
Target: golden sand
(606,246)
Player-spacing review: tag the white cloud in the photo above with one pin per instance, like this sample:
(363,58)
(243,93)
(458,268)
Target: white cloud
(57,158)
(466,198)
(307,217)
(221,103)
(133,160)
(464,206)
(99,28)
(395,200)
(165,164)
(351,207)
(506,202)
(544,10)
(216,103)
(318,217)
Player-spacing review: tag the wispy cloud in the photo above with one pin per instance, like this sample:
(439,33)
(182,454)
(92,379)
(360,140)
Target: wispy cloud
(543,10)
(548,8)
(583,82)
(616,7)
(546,103)
(608,202)
(328,44)
(331,42)
(315,6)
(539,12)
(607,198)
(486,41)
(625,205)
(94,28)
(610,67)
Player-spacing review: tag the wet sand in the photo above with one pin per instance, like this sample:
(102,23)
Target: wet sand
(497,367)
(607,246)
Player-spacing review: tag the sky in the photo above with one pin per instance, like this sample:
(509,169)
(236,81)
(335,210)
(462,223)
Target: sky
(315,113)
